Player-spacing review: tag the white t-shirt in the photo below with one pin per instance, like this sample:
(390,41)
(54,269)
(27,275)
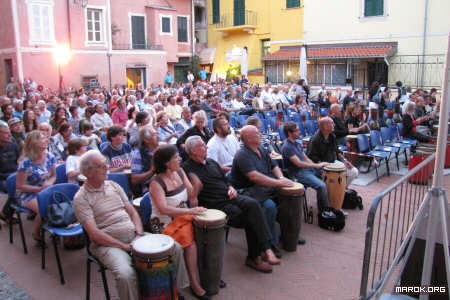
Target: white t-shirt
(72,165)
(222,150)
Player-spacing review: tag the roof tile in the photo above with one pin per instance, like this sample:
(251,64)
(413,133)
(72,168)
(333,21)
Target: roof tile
(331,52)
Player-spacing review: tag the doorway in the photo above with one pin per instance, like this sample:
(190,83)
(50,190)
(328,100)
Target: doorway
(377,71)
(8,70)
(136,76)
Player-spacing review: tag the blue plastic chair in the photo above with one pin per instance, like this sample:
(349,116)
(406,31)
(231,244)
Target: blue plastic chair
(403,140)
(242,119)
(17,209)
(122,180)
(146,210)
(281,132)
(323,112)
(269,114)
(364,148)
(104,145)
(61,176)
(103,137)
(394,143)
(263,123)
(302,128)
(376,142)
(233,121)
(44,197)
(311,127)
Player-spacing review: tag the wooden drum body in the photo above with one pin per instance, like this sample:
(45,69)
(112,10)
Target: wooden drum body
(289,215)
(335,177)
(352,146)
(155,267)
(209,231)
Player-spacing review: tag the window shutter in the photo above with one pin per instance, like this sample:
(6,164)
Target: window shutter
(292,3)
(182,30)
(373,8)
(138,32)
(216,11)
(165,24)
(239,12)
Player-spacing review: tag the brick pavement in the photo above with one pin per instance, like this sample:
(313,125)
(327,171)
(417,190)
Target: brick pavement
(327,267)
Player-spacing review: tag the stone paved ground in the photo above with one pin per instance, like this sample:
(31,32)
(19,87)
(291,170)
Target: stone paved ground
(327,267)
(9,289)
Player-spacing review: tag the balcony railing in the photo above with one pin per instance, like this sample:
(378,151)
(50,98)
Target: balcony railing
(136,46)
(238,18)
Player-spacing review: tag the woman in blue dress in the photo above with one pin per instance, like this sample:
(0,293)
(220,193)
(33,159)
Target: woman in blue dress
(36,171)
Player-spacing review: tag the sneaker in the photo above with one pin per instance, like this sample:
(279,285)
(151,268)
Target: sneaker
(344,212)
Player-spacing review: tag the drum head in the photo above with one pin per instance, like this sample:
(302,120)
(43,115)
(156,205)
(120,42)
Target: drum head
(137,201)
(351,136)
(335,167)
(296,188)
(211,216)
(152,244)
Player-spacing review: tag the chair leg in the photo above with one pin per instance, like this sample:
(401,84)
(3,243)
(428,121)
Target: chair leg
(22,234)
(376,171)
(88,279)
(42,248)
(105,283)
(387,167)
(11,238)
(396,159)
(58,261)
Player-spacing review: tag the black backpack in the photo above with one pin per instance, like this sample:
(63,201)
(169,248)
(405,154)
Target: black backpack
(331,219)
(352,200)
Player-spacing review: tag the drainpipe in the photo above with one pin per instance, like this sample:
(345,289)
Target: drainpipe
(109,52)
(425,21)
(17,40)
(69,31)
(386,61)
(192,29)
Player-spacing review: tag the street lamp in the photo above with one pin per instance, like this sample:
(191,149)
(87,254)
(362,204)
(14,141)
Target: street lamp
(62,55)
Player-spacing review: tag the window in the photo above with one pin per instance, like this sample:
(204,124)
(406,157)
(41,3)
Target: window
(292,3)
(239,12)
(373,8)
(265,47)
(165,24)
(216,11)
(138,32)
(40,16)
(328,73)
(182,29)
(94,21)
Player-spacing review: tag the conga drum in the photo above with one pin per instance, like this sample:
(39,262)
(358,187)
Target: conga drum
(209,232)
(422,176)
(289,215)
(352,146)
(335,177)
(137,205)
(155,267)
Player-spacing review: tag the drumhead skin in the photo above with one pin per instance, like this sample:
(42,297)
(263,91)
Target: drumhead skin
(335,167)
(211,217)
(152,244)
(351,136)
(137,201)
(296,189)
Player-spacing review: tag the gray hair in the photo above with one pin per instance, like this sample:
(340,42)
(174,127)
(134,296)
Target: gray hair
(200,114)
(144,133)
(3,124)
(85,162)
(409,108)
(191,142)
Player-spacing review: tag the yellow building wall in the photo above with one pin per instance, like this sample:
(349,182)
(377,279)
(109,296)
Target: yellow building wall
(274,22)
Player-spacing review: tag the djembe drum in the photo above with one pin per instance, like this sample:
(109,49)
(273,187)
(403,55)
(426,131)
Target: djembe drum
(209,232)
(289,215)
(155,267)
(352,146)
(335,177)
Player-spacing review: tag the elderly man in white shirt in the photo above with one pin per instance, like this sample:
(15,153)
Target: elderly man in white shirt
(101,120)
(223,145)
(267,97)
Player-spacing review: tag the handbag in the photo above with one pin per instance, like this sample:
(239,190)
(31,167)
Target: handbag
(352,200)
(60,212)
(331,219)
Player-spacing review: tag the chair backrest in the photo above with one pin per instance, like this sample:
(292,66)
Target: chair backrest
(302,128)
(269,113)
(281,132)
(103,137)
(324,111)
(242,119)
(44,196)
(11,185)
(104,145)
(263,123)
(394,132)
(122,180)
(146,209)
(385,134)
(61,176)
(390,105)
(375,138)
(400,129)
(363,143)
(311,127)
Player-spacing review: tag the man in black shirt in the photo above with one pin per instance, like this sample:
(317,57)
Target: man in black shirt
(348,99)
(323,148)
(213,191)
(258,176)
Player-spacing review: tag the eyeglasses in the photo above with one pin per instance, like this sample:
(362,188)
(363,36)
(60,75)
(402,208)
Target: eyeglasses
(99,166)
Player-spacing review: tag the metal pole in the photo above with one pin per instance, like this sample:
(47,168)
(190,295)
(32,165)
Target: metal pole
(437,179)
(425,21)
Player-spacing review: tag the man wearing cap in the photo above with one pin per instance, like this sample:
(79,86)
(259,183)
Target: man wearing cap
(17,132)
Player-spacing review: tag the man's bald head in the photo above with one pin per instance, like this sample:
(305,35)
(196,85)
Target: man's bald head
(326,125)
(247,133)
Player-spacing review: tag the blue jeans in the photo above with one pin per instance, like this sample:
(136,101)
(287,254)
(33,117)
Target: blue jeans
(311,178)
(270,212)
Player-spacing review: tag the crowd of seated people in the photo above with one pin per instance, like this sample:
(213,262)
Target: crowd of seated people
(154,131)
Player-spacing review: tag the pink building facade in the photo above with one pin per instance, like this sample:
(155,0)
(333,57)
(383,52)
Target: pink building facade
(112,42)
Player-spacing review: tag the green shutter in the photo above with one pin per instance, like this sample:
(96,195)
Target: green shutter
(373,8)
(216,11)
(239,12)
(182,29)
(292,3)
